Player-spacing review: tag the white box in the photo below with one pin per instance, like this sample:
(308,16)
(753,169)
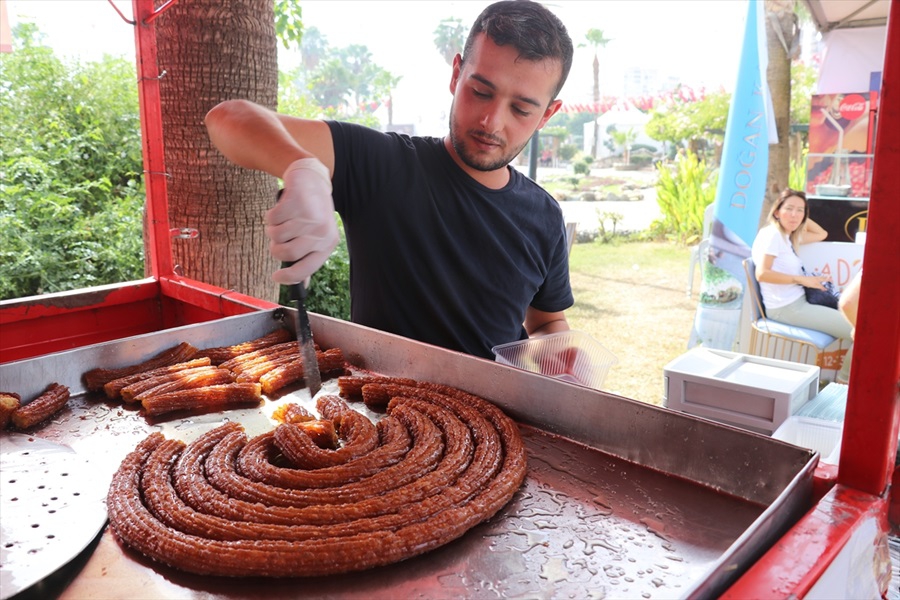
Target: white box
(751,392)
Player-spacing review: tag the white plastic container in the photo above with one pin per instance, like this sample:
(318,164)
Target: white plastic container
(816,434)
(572,356)
(751,392)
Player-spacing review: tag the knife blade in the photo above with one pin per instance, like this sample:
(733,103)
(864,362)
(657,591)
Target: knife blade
(311,373)
(297,293)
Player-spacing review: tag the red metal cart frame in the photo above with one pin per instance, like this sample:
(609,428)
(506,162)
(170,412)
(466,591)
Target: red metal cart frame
(858,493)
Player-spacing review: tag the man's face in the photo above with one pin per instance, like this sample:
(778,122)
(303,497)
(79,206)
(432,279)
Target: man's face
(498,103)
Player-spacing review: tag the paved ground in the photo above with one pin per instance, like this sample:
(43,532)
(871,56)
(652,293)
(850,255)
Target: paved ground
(635,215)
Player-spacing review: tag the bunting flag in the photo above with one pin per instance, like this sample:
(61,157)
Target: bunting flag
(682,95)
(740,192)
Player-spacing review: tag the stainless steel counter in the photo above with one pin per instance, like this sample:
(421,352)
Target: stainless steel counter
(622,499)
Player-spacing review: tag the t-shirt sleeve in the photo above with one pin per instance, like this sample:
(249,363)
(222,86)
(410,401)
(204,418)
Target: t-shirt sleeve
(556,293)
(362,163)
(767,242)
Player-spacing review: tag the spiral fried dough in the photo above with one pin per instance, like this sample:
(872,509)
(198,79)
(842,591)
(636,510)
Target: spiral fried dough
(300,449)
(443,462)
(424,455)
(254,463)
(351,387)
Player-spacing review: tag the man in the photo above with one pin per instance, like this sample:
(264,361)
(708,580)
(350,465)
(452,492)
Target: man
(448,244)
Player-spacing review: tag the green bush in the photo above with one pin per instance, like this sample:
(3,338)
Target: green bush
(581,168)
(71,192)
(567,151)
(329,287)
(797,175)
(683,196)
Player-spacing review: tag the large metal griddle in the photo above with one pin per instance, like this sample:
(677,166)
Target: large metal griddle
(622,499)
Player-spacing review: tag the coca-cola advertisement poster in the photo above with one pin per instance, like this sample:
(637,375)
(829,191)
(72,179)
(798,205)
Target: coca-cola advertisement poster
(841,141)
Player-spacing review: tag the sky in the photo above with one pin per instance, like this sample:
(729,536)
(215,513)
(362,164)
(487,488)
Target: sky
(696,41)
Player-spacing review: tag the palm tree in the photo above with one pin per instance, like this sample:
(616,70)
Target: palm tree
(782,32)
(624,139)
(384,83)
(206,192)
(596,40)
(449,37)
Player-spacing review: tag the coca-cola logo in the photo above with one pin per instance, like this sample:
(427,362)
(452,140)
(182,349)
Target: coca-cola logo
(852,106)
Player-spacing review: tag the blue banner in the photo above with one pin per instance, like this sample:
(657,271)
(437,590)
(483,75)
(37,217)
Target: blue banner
(740,193)
(745,153)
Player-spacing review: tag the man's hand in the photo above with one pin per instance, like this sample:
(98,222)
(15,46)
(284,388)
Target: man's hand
(301,227)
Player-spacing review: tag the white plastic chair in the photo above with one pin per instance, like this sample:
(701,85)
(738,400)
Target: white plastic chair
(773,339)
(698,250)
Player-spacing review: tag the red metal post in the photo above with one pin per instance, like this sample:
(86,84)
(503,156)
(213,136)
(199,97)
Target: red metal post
(869,444)
(159,249)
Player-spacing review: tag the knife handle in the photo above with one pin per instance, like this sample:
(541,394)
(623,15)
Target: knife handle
(296,291)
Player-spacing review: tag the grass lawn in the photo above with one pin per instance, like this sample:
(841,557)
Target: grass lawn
(631,298)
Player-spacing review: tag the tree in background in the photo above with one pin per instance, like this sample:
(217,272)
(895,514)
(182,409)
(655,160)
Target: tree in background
(624,140)
(449,38)
(223,202)
(596,39)
(71,193)
(782,37)
(700,123)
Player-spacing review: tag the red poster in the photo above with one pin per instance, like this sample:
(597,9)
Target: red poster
(840,144)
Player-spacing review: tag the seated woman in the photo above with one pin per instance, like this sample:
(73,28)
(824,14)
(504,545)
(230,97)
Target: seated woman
(781,276)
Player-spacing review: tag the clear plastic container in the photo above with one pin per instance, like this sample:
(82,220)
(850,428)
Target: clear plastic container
(815,434)
(572,356)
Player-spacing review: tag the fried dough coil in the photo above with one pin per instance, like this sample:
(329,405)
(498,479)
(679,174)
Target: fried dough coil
(50,402)
(222,505)
(351,386)
(203,398)
(292,413)
(221,354)
(301,450)
(253,461)
(95,379)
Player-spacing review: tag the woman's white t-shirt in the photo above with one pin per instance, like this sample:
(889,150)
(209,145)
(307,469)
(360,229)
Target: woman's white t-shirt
(772,241)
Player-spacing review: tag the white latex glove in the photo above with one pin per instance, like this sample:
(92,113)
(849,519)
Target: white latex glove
(301,226)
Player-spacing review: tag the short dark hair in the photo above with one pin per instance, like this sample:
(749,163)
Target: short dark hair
(531,28)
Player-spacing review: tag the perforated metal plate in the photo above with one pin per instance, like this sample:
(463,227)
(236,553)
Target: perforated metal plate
(52,508)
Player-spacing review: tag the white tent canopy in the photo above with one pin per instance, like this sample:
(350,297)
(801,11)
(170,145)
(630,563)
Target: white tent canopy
(854,32)
(830,15)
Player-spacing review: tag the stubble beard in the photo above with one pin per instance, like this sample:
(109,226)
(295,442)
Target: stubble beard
(472,159)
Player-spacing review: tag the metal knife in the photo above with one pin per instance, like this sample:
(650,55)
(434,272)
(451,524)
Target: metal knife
(297,293)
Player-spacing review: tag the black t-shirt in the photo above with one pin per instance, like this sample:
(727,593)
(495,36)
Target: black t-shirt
(436,256)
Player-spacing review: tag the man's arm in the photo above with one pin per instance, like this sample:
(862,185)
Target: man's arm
(301,226)
(538,322)
(257,138)
(849,300)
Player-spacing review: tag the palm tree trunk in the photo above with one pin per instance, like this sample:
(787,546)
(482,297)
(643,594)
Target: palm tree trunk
(780,14)
(213,50)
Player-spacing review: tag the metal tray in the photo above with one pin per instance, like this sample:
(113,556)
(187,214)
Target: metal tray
(622,499)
